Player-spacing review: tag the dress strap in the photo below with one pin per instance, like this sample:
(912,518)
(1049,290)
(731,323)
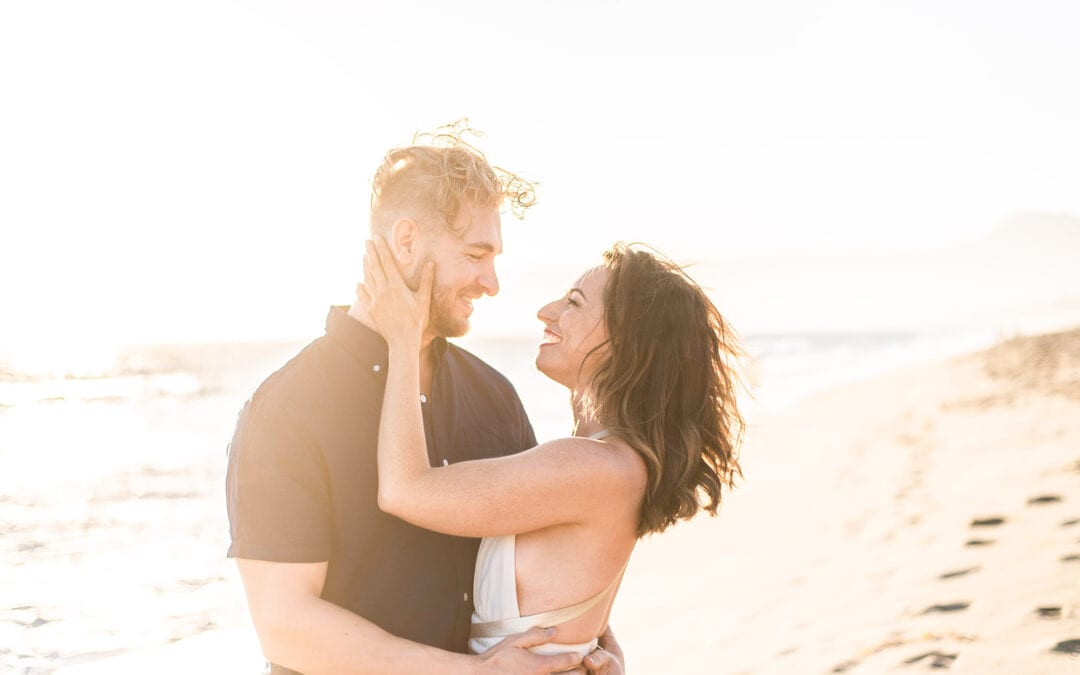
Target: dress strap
(599,435)
(554,617)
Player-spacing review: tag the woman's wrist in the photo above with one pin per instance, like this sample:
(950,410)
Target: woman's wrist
(404,348)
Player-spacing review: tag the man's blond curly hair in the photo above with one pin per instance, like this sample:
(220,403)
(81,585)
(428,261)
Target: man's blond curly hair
(431,181)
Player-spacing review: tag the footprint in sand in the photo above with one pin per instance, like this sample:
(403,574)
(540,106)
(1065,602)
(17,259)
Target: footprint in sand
(1048,612)
(845,666)
(946,608)
(958,573)
(1044,499)
(978,542)
(939,659)
(987,522)
(1067,647)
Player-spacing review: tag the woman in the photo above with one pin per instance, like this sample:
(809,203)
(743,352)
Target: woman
(646,357)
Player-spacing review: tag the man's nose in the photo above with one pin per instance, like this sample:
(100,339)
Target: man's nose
(489,280)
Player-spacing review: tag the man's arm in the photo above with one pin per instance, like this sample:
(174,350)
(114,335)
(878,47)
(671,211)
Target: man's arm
(301,631)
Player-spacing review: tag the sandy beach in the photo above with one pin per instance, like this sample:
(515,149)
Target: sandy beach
(925,519)
(928,519)
(882,199)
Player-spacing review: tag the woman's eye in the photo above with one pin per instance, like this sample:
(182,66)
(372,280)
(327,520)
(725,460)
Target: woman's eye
(573,303)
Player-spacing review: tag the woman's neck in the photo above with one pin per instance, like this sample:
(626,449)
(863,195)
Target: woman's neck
(585,422)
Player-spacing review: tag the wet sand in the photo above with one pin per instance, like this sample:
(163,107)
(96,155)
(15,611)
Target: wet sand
(116,554)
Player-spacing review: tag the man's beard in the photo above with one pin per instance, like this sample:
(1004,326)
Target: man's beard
(441,319)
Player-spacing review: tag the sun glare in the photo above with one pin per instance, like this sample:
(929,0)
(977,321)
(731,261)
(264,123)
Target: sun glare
(70,359)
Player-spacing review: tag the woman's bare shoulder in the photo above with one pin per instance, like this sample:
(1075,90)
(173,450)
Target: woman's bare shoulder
(629,461)
(611,461)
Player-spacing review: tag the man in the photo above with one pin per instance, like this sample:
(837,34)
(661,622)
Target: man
(334,584)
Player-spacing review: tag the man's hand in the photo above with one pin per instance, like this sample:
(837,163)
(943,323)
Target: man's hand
(607,659)
(512,655)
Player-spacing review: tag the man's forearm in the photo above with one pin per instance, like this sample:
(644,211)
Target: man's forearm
(315,636)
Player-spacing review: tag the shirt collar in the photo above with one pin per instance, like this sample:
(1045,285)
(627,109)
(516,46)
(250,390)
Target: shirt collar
(365,344)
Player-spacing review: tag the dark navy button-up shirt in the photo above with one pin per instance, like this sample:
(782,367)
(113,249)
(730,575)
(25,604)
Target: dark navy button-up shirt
(302,480)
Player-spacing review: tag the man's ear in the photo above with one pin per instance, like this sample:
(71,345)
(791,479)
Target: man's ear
(404,241)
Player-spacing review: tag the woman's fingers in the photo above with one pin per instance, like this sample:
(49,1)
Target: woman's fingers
(367,300)
(374,274)
(427,282)
(387,298)
(389,265)
(369,272)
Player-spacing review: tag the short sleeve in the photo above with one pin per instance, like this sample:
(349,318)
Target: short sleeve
(277,488)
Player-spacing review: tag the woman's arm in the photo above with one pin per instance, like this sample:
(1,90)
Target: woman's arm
(559,482)
(563,481)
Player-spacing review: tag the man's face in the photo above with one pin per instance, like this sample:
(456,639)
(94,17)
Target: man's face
(464,268)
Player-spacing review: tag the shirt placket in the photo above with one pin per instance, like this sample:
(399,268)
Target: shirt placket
(439,410)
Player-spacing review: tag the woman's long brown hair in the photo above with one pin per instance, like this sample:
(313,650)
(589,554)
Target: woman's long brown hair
(669,384)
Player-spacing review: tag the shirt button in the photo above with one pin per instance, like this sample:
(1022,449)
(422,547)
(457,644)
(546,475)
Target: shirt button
(466,597)
(376,367)
(446,462)
(423,398)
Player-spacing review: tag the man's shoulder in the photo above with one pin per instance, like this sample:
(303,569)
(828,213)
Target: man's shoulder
(301,384)
(293,377)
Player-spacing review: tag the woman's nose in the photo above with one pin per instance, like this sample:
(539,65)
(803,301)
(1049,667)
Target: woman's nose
(547,313)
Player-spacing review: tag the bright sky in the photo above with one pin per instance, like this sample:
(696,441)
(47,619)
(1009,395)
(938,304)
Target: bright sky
(199,170)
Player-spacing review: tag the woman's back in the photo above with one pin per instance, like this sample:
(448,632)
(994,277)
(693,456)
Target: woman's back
(563,565)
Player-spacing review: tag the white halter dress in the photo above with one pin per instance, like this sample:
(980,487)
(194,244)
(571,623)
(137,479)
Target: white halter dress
(496,613)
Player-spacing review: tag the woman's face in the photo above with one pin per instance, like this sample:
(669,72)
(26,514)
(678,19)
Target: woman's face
(574,326)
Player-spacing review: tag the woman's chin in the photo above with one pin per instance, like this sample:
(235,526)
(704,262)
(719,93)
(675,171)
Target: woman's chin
(547,371)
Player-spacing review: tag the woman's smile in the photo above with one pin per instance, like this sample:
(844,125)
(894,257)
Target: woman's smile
(550,337)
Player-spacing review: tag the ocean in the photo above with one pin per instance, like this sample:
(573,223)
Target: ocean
(112,520)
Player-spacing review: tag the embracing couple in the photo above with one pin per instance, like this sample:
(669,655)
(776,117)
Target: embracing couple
(390,508)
